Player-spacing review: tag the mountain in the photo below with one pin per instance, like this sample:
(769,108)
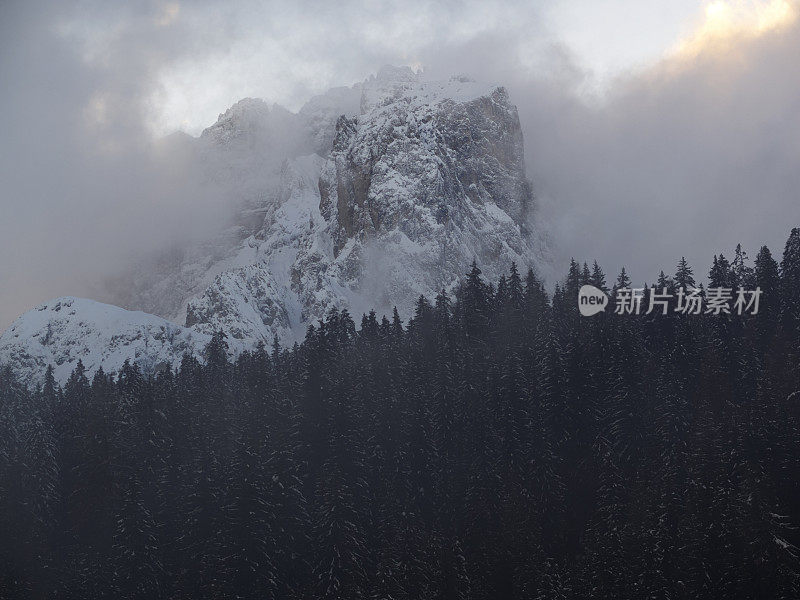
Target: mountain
(367,197)
(65,330)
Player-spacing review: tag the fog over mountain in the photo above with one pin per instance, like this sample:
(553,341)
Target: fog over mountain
(675,158)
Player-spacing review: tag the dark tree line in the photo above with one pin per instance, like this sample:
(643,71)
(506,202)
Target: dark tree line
(497,446)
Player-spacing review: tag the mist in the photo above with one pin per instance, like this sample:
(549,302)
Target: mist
(682,159)
(674,158)
(84,189)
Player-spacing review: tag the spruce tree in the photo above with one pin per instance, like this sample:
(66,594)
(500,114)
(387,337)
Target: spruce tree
(790,285)
(623,282)
(598,278)
(684,276)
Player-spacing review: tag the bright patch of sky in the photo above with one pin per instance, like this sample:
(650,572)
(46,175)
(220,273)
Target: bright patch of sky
(612,37)
(284,63)
(286,52)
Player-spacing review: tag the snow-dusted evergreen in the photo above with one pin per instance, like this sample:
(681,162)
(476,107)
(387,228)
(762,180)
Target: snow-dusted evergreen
(495,446)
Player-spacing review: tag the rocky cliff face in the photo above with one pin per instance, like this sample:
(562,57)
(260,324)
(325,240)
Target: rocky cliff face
(428,178)
(366,198)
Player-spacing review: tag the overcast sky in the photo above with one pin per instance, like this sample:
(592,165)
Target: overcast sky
(653,129)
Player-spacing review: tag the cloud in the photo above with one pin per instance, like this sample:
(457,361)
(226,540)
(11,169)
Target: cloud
(687,157)
(286,51)
(85,189)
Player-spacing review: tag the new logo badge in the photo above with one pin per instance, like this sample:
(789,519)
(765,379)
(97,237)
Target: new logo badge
(591,300)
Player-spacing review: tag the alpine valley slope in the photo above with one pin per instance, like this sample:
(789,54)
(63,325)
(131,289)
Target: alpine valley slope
(388,190)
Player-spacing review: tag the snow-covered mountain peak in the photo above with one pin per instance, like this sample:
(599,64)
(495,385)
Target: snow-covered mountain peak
(365,198)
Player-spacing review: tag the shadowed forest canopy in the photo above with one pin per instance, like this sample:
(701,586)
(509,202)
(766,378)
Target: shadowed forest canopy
(497,446)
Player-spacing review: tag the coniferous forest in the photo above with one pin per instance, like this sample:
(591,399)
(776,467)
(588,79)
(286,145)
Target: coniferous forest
(496,446)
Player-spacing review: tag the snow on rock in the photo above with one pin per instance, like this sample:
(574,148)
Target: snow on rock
(427,179)
(65,330)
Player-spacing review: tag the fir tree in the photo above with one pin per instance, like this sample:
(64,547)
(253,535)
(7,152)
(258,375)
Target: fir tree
(721,275)
(684,276)
(598,278)
(790,284)
(742,272)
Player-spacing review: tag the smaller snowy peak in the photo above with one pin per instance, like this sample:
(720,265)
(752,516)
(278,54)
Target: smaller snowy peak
(65,330)
(246,116)
(253,122)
